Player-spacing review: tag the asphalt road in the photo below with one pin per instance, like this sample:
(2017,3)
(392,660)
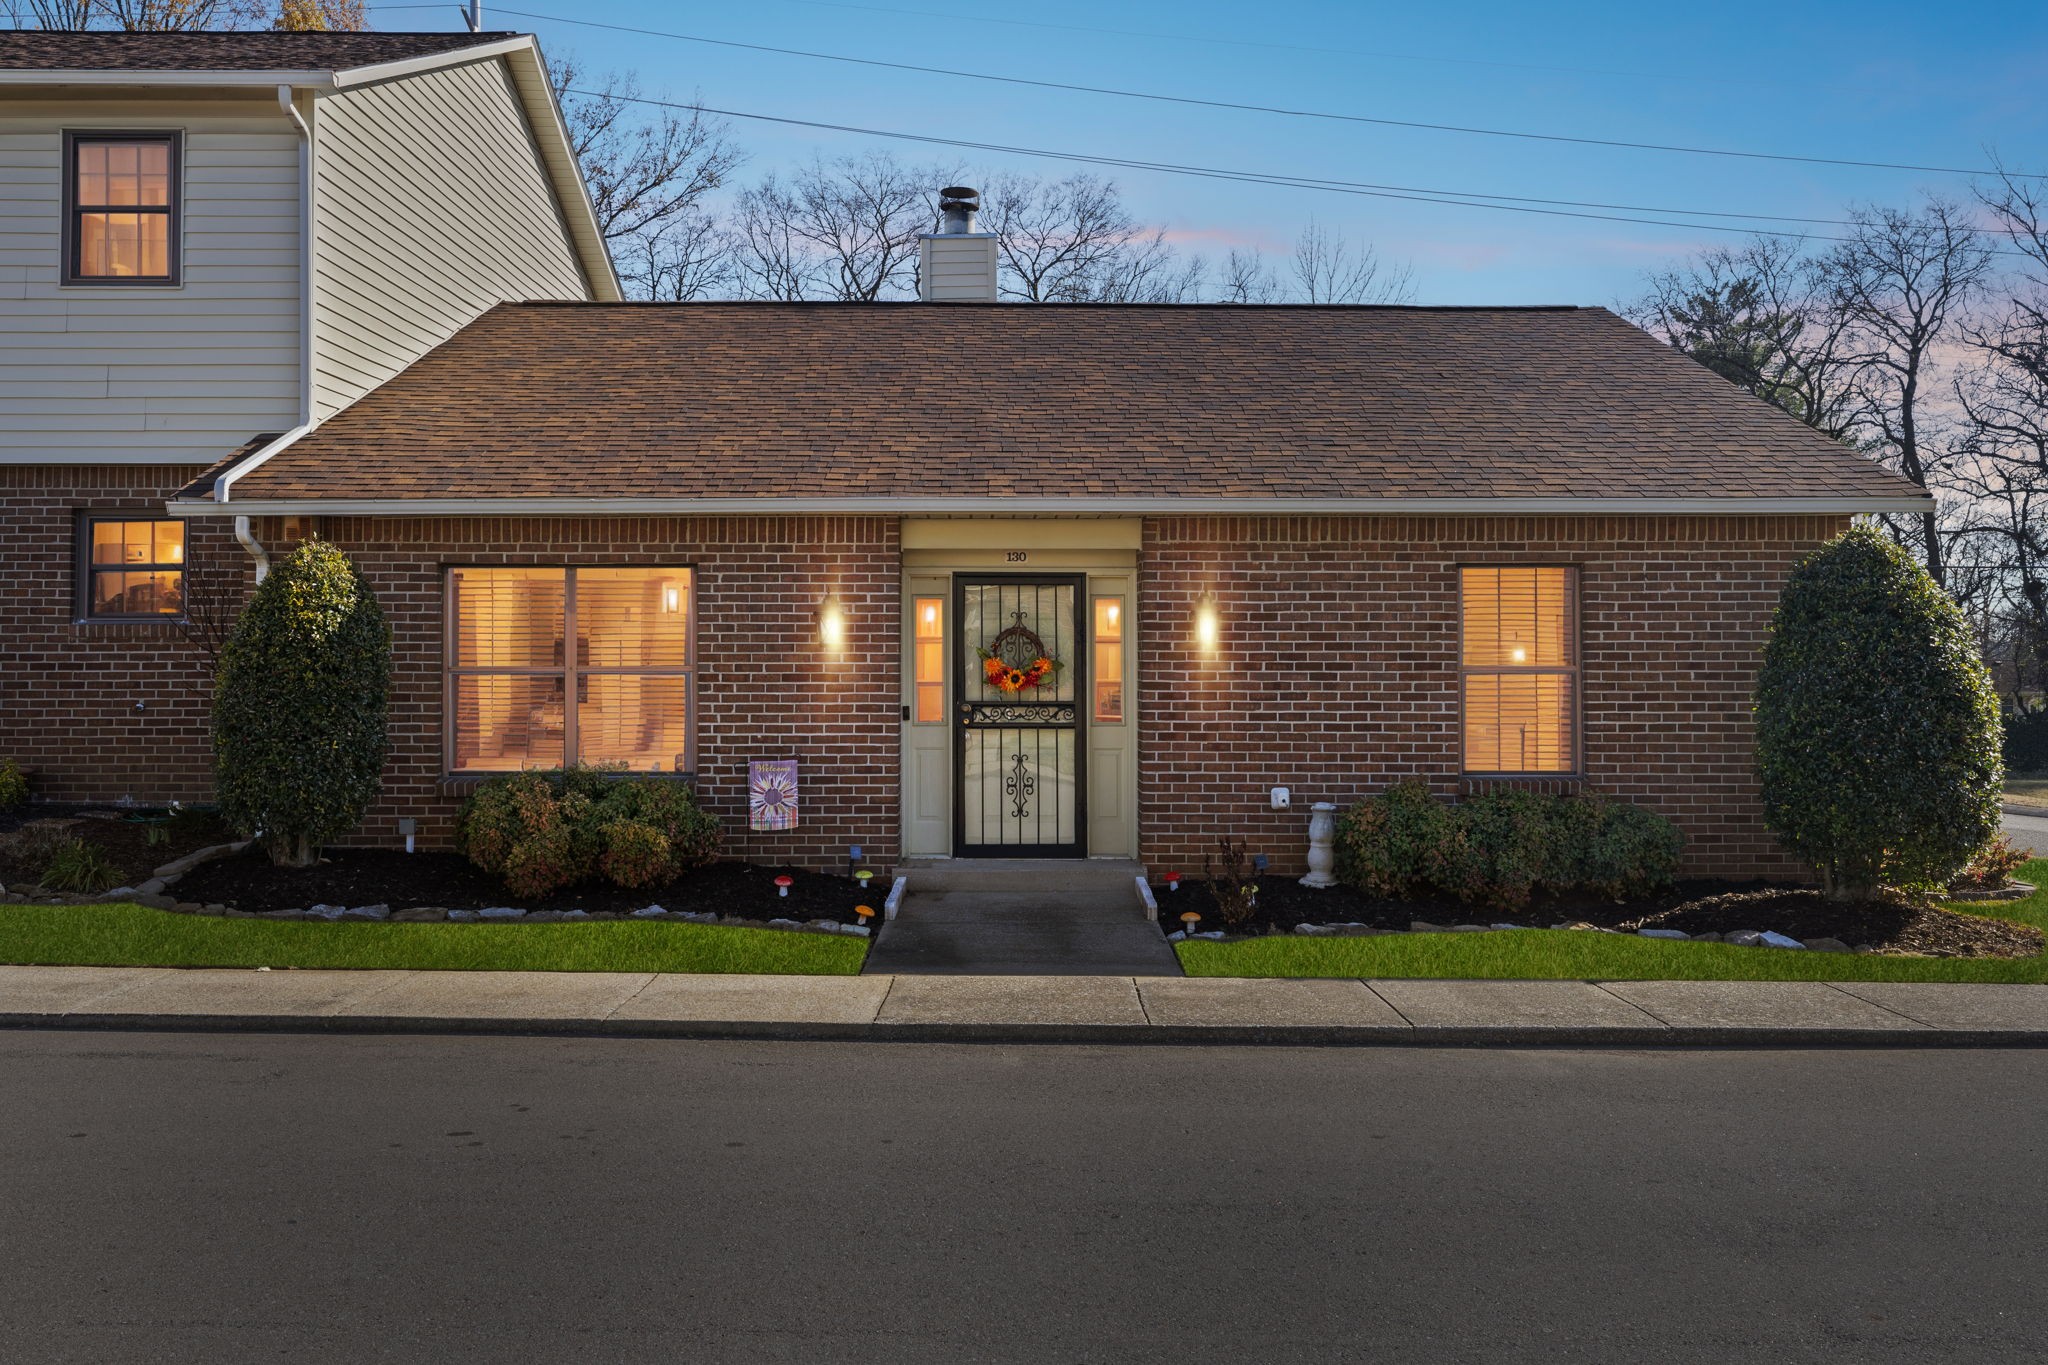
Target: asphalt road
(253,1198)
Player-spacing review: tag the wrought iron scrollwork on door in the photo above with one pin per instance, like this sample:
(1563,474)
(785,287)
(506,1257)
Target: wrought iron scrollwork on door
(1020,786)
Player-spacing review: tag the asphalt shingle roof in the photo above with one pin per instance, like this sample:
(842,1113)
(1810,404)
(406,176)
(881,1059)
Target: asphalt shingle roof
(261,50)
(948,400)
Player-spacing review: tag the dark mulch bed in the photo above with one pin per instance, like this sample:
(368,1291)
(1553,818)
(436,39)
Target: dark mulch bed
(1693,907)
(377,876)
(123,835)
(1892,924)
(1284,902)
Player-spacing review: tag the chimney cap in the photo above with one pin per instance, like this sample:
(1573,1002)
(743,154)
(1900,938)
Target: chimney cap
(959,192)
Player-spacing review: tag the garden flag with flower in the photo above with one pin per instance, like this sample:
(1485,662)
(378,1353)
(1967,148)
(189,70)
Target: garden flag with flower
(771,794)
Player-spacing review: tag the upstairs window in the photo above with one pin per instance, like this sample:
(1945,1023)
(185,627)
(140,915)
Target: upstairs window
(554,666)
(1519,667)
(121,208)
(131,569)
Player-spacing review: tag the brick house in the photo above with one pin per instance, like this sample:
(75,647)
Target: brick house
(1258,547)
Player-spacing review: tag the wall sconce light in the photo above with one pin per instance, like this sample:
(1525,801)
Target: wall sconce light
(1208,627)
(831,624)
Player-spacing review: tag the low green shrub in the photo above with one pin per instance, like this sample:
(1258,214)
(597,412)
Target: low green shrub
(1500,849)
(1398,844)
(541,831)
(79,867)
(13,785)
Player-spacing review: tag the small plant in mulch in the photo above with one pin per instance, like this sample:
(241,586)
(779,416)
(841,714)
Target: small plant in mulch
(78,867)
(1227,874)
(13,785)
(1991,868)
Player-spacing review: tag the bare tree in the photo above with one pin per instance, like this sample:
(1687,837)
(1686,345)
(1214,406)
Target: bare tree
(845,229)
(690,258)
(1328,269)
(1760,316)
(1247,278)
(1901,285)
(1073,240)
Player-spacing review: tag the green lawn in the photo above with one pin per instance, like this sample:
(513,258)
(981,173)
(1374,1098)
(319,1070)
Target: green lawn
(135,936)
(1578,955)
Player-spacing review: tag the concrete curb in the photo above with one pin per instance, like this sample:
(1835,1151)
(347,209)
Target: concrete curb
(1278,1035)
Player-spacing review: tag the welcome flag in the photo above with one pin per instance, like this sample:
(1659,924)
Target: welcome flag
(771,794)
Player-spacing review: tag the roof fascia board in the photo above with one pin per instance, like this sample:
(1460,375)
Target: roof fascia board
(432,61)
(1053,506)
(530,78)
(311,80)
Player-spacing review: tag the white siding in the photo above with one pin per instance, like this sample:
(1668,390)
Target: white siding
(431,206)
(151,375)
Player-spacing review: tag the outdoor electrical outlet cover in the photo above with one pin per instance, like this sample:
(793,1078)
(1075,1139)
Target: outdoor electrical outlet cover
(1280,798)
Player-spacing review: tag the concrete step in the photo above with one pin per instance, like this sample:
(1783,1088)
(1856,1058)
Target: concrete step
(1022,874)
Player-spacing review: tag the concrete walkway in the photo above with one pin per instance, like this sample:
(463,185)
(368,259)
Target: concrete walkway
(1032,1008)
(997,917)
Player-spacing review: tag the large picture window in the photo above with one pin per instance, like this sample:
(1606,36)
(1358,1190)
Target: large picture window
(1519,662)
(130,568)
(555,666)
(121,208)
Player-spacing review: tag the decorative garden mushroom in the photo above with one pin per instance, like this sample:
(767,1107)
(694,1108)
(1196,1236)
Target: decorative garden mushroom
(866,912)
(1173,881)
(864,876)
(1190,918)
(783,883)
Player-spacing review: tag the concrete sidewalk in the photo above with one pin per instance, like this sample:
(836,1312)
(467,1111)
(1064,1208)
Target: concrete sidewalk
(1027,1008)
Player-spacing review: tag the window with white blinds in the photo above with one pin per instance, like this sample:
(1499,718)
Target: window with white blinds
(1519,664)
(555,666)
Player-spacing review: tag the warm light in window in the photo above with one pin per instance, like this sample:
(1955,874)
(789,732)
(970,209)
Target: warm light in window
(1113,613)
(671,599)
(929,665)
(1518,655)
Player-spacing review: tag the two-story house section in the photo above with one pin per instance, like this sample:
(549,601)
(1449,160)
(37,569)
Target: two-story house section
(208,240)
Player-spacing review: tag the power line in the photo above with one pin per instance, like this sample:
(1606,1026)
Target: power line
(1218,173)
(1207,39)
(1263,108)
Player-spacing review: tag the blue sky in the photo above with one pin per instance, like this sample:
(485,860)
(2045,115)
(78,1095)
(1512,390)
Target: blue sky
(1939,85)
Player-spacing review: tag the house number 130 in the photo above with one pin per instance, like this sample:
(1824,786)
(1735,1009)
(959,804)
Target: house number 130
(1017,556)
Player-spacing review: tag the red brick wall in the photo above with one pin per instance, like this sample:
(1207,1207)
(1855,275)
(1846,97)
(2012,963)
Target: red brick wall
(100,712)
(1337,668)
(764,687)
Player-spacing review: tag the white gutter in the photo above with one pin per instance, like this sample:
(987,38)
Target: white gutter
(312,80)
(1041,506)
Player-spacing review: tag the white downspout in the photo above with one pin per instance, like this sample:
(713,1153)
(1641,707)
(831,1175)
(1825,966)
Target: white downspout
(254,547)
(223,486)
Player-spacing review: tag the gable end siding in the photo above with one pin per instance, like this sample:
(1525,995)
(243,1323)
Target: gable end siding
(432,205)
(151,375)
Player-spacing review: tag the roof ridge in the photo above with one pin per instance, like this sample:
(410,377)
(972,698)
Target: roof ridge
(952,305)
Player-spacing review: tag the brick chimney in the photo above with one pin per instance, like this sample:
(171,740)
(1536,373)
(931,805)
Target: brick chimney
(957,264)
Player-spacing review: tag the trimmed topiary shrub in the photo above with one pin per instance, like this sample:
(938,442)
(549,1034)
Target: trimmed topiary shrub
(299,704)
(1499,849)
(13,785)
(1878,739)
(541,831)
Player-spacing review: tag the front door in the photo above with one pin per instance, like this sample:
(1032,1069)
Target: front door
(1019,788)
